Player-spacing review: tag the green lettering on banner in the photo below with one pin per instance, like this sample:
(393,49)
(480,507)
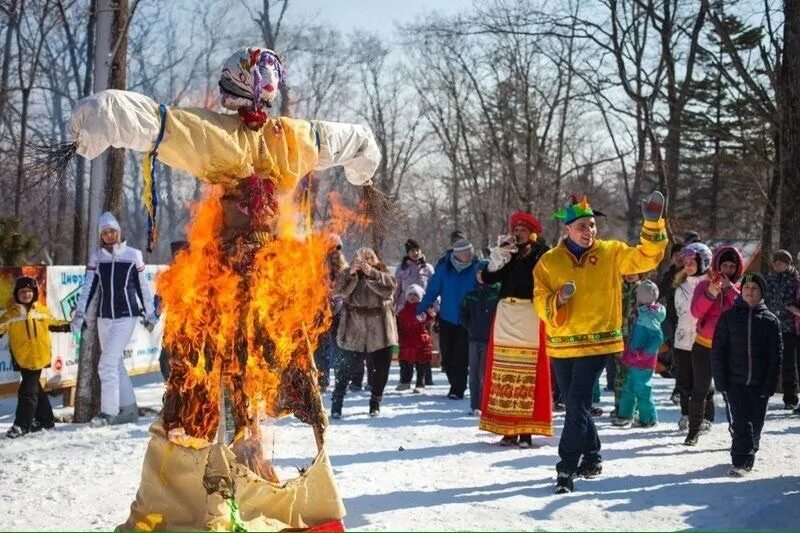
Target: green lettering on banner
(70,302)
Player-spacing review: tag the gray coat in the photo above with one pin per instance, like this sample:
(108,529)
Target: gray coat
(367,322)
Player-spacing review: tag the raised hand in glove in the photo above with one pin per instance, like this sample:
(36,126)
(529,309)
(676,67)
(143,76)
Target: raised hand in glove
(653,207)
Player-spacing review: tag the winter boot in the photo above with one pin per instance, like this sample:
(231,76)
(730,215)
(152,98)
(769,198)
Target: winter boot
(374,408)
(15,432)
(128,414)
(692,438)
(403,386)
(336,409)
(564,483)
(101,420)
(705,426)
(621,422)
(419,389)
(589,470)
(525,441)
(683,423)
(738,471)
(508,440)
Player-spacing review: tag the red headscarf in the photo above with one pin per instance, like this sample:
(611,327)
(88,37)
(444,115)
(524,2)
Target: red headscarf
(525,219)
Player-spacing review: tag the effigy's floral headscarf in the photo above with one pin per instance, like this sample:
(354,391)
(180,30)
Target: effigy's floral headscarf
(250,78)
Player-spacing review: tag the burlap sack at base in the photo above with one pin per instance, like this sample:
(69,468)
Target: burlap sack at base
(171,496)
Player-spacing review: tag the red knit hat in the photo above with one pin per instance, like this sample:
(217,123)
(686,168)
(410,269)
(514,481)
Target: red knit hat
(525,219)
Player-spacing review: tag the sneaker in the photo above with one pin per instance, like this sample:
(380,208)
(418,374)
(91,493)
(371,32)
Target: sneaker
(508,440)
(564,484)
(589,470)
(738,471)
(101,420)
(418,390)
(621,422)
(596,411)
(475,412)
(525,442)
(692,438)
(705,426)
(640,424)
(15,431)
(403,386)
(683,423)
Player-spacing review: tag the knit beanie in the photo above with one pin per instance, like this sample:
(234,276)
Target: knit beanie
(783,256)
(411,244)
(755,277)
(646,292)
(691,237)
(107,221)
(415,289)
(462,245)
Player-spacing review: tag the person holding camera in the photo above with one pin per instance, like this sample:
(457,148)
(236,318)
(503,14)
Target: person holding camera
(367,327)
(515,356)
(115,276)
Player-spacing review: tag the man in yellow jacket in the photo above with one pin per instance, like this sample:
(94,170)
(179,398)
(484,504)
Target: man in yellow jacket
(28,324)
(576,292)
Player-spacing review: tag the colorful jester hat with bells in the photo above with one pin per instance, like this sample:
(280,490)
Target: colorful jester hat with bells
(575,210)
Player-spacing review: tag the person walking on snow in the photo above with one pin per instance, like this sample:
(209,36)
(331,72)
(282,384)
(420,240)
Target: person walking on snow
(577,287)
(516,392)
(696,264)
(453,278)
(640,357)
(115,277)
(782,286)
(746,360)
(416,348)
(711,298)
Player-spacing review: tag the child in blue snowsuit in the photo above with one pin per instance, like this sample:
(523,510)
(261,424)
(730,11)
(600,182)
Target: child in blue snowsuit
(640,358)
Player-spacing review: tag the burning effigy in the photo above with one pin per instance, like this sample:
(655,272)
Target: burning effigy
(245,303)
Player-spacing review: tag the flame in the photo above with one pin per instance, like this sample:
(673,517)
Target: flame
(248,317)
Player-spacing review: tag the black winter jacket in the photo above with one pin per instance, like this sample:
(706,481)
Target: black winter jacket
(477,311)
(747,348)
(516,276)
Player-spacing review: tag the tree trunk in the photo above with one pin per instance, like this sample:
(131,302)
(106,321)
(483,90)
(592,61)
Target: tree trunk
(116,156)
(23,137)
(7,56)
(789,104)
(78,231)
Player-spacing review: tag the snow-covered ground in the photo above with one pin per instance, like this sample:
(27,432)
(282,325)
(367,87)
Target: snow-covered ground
(423,465)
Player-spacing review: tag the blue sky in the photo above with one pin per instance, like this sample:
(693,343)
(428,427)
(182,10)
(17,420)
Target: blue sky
(374,15)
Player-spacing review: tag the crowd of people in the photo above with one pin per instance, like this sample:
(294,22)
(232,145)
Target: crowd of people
(525,331)
(528,330)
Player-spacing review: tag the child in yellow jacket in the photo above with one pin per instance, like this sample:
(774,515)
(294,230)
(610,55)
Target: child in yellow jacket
(28,324)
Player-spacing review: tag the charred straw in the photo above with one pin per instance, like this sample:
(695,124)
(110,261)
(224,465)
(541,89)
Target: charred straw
(379,208)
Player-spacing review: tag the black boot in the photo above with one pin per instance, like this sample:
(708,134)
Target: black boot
(588,470)
(374,408)
(336,409)
(691,438)
(564,483)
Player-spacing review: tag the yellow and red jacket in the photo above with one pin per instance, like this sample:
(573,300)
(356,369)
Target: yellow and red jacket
(28,332)
(590,323)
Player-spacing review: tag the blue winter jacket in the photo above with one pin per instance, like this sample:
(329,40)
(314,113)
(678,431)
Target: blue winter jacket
(647,335)
(452,286)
